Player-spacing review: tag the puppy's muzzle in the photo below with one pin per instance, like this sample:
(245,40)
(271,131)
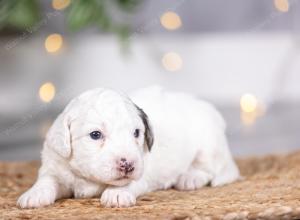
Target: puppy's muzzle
(125,166)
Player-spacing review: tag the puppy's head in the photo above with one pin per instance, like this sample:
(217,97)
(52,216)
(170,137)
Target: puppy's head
(103,136)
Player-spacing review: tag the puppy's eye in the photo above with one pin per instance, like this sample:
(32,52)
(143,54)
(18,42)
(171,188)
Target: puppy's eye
(95,135)
(136,133)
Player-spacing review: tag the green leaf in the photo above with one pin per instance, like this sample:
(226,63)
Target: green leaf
(128,5)
(23,14)
(81,14)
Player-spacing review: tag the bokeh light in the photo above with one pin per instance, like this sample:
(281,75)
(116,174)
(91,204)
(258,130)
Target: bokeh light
(60,4)
(172,61)
(248,118)
(53,43)
(170,20)
(47,92)
(251,109)
(281,5)
(248,103)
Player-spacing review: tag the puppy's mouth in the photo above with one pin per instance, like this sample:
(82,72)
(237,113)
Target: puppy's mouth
(120,181)
(122,177)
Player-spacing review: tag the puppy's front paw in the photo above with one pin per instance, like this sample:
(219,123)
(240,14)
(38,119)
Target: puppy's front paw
(35,198)
(115,197)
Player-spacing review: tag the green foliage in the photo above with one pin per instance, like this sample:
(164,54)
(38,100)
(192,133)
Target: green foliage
(83,13)
(23,14)
(128,5)
(18,14)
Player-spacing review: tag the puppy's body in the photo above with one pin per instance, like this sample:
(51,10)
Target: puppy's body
(189,150)
(189,135)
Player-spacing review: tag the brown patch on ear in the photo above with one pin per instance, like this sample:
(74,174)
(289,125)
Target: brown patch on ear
(149,138)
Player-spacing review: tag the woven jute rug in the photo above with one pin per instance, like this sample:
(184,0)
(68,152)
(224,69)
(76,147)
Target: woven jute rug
(270,190)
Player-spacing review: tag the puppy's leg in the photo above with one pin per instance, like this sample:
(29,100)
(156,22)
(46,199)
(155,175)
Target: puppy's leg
(215,167)
(226,171)
(85,189)
(193,179)
(227,174)
(199,174)
(124,196)
(44,192)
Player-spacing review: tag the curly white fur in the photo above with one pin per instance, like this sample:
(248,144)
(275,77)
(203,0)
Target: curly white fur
(189,151)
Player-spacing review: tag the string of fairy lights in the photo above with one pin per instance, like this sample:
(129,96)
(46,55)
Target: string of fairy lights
(251,107)
(53,43)
(171,60)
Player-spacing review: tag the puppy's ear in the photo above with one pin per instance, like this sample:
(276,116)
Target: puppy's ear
(149,138)
(58,137)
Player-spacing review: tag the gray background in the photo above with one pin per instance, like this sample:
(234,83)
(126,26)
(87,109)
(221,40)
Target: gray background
(228,47)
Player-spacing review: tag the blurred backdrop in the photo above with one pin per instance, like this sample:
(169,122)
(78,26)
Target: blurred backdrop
(243,56)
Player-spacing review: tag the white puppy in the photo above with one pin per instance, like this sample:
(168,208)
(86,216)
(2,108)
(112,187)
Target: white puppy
(103,144)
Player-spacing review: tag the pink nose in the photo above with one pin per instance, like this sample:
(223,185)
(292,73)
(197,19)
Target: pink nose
(125,166)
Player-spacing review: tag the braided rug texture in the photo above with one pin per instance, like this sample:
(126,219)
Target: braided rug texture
(270,190)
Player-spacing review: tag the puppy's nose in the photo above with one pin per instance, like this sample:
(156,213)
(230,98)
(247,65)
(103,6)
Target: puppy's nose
(126,166)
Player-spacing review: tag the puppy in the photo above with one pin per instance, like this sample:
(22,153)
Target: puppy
(109,146)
